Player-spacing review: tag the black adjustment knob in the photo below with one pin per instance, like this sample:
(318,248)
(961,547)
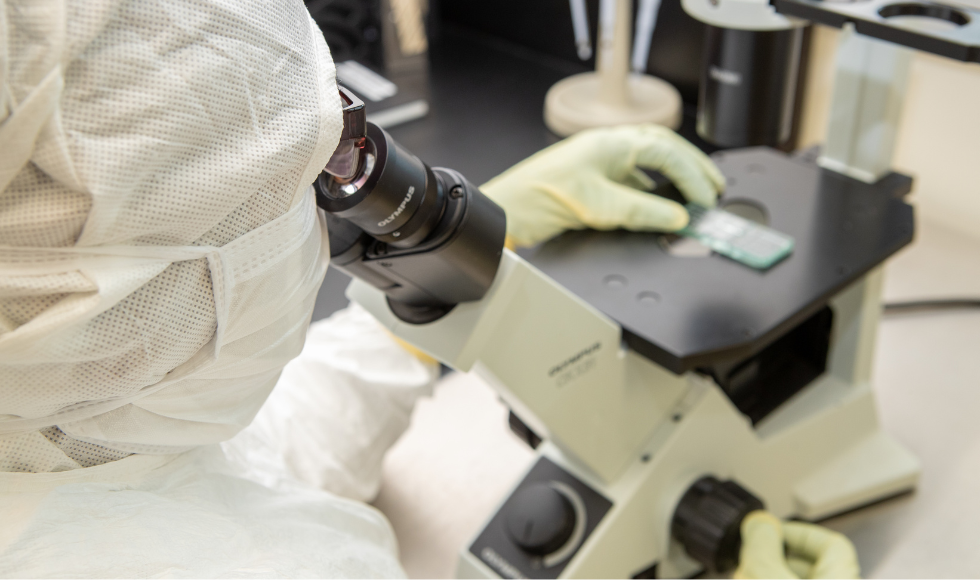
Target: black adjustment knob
(707,520)
(540,519)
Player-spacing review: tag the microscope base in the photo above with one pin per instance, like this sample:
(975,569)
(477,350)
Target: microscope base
(575,103)
(821,454)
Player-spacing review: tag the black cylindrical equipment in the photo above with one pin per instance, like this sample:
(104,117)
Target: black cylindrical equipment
(426,237)
(707,521)
(748,86)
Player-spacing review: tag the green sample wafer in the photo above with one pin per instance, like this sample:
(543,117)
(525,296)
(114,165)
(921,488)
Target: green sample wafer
(744,241)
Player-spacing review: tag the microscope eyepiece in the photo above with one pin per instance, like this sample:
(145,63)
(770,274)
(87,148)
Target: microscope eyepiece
(394,197)
(425,237)
(346,161)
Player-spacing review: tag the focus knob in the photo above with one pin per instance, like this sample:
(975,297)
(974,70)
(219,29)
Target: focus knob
(707,521)
(540,519)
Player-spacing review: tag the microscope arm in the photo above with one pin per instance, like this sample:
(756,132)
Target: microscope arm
(555,360)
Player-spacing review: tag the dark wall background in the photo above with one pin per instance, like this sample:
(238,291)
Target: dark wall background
(546,26)
(490,65)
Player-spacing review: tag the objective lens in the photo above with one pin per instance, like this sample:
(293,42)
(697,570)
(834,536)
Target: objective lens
(395,197)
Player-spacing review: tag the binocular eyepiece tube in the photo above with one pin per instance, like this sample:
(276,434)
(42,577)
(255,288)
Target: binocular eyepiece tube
(426,237)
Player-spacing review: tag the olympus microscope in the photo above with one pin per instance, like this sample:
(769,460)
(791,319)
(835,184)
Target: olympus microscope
(666,396)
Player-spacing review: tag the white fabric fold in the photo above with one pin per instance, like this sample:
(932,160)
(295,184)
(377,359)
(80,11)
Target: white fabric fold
(160,255)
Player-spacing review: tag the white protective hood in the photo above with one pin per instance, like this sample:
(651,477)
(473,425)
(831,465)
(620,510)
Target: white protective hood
(160,253)
(160,250)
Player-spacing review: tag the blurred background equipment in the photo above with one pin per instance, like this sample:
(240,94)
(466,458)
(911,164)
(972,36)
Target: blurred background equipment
(748,86)
(665,42)
(352,29)
(646,22)
(381,51)
(611,95)
(749,72)
(580,23)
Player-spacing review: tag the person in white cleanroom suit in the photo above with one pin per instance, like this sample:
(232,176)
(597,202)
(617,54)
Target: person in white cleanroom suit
(160,252)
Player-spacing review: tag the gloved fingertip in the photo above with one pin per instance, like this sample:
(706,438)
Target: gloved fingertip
(718,178)
(666,219)
(701,193)
(680,221)
(833,553)
(762,553)
(761,517)
(515,241)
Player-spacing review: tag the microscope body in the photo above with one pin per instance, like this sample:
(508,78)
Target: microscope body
(625,438)
(659,428)
(635,415)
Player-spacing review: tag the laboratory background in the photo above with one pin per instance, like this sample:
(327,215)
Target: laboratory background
(480,74)
(508,289)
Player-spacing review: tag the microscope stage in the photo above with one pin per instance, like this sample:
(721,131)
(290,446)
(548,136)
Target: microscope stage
(685,312)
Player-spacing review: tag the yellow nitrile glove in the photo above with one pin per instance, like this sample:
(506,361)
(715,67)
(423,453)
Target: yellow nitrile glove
(593,180)
(775,549)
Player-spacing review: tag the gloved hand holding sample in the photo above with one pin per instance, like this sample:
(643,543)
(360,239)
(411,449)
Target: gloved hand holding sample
(593,179)
(774,549)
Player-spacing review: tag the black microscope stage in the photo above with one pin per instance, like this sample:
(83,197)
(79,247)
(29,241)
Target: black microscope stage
(691,312)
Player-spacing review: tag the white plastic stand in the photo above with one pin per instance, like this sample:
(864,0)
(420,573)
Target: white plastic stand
(611,95)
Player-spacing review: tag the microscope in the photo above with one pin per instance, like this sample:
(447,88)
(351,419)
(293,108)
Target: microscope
(666,396)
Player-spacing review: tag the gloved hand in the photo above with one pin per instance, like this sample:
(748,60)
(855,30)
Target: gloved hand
(774,549)
(592,179)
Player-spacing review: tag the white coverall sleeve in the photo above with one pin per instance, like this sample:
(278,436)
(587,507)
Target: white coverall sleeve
(337,408)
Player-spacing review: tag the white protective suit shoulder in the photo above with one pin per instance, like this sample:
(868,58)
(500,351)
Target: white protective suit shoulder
(160,253)
(242,509)
(189,515)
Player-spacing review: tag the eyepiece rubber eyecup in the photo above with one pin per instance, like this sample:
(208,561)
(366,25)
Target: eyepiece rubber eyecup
(399,203)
